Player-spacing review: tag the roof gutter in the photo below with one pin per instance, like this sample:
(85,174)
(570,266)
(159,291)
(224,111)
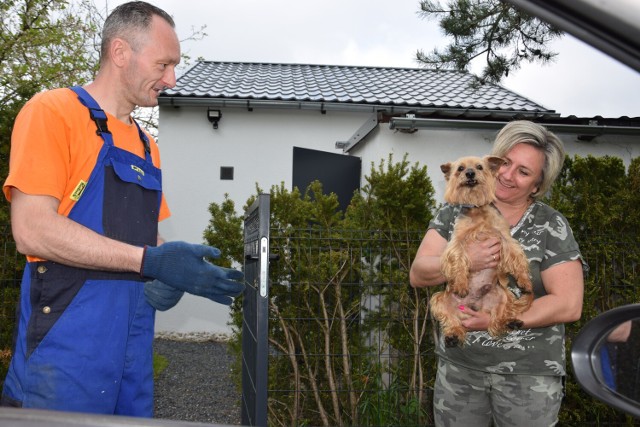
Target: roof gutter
(250,104)
(584,132)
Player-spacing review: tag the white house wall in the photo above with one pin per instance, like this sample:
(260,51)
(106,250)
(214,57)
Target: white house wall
(259,146)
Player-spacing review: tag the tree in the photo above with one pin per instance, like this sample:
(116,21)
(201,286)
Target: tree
(493,29)
(43,44)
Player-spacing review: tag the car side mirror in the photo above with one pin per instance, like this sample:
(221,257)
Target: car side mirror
(606,358)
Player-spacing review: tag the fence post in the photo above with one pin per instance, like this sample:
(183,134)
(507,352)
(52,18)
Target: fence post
(255,308)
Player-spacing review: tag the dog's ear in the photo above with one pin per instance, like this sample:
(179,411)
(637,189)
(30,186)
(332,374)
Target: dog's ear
(446,170)
(494,162)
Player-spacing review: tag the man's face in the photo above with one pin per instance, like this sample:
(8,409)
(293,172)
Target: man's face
(152,67)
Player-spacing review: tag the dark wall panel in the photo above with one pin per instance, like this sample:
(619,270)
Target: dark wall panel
(339,173)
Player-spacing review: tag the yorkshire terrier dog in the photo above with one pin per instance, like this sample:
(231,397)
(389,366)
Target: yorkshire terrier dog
(471,182)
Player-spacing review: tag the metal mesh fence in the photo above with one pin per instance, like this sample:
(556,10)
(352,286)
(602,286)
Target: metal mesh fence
(614,274)
(350,339)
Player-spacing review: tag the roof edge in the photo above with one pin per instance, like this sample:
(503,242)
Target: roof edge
(250,104)
(585,131)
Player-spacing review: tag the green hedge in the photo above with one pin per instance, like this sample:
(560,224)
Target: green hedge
(599,196)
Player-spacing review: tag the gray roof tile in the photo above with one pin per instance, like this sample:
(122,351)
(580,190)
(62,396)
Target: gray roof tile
(414,87)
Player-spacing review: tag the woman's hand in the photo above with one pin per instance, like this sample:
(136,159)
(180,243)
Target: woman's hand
(477,320)
(484,254)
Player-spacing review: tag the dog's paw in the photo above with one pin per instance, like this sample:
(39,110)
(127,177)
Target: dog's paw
(460,292)
(515,324)
(451,341)
(520,290)
(516,290)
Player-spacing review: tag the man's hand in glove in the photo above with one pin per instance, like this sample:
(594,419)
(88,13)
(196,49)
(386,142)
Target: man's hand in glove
(182,266)
(161,296)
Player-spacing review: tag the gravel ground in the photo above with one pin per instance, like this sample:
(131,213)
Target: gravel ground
(196,386)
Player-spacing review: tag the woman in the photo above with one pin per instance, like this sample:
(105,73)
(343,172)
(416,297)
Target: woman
(518,379)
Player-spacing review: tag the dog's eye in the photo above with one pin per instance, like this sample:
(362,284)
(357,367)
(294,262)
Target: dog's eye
(461,168)
(480,167)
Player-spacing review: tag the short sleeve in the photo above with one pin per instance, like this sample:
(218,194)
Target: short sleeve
(39,152)
(561,245)
(444,220)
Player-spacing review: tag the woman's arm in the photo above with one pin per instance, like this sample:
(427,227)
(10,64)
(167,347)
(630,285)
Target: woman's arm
(425,269)
(564,284)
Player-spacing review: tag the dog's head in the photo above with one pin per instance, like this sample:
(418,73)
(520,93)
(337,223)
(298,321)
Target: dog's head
(471,180)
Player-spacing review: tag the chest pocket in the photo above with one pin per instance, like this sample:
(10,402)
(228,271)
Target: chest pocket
(131,202)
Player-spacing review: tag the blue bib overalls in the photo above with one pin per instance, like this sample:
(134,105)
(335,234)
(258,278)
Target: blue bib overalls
(84,338)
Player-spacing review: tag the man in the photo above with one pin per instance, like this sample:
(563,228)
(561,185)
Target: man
(86,197)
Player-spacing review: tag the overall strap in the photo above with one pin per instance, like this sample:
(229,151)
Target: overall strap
(145,140)
(98,115)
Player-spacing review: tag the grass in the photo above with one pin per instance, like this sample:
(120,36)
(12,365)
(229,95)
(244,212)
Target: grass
(160,363)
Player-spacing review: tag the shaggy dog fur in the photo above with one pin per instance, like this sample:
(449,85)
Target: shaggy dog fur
(471,183)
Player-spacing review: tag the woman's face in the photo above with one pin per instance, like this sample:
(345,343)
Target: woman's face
(521,173)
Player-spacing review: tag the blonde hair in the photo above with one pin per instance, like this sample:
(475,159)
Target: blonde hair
(535,135)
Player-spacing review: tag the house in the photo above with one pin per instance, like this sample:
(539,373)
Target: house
(228,126)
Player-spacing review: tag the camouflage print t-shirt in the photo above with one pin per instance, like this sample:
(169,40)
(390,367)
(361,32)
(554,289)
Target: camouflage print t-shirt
(547,240)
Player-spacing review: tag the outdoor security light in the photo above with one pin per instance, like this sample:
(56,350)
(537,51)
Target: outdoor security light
(214,117)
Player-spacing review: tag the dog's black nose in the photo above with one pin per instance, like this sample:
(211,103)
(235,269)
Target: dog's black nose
(470,173)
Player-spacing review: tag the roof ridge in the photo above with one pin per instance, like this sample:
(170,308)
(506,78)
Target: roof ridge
(329,65)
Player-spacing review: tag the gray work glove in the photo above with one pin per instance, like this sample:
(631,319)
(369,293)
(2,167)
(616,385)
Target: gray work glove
(161,296)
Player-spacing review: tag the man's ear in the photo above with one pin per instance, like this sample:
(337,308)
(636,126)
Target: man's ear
(120,50)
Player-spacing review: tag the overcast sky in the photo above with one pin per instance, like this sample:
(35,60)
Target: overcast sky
(387,33)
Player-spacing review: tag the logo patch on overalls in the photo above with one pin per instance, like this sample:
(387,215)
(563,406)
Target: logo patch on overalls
(77,192)
(137,169)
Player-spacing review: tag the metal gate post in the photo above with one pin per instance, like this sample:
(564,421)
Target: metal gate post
(255,308)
